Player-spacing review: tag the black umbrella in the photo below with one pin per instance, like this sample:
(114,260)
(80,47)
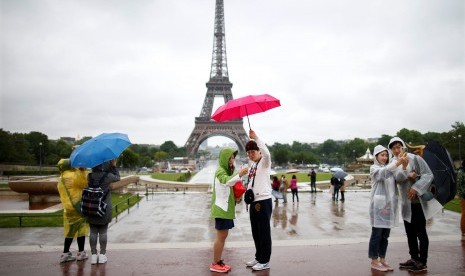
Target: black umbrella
(440,163)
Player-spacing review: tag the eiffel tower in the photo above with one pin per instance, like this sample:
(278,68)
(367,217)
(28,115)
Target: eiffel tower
(217,86)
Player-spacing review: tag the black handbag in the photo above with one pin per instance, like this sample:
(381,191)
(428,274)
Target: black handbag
(249,195)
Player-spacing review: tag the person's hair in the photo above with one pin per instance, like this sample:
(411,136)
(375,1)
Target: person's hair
(395,143)
(293,176)
(251,145)
(275,178)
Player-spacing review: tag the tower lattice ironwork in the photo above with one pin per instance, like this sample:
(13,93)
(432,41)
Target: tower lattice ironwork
(218,86)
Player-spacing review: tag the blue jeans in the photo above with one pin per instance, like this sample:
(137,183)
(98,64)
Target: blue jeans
(378,242)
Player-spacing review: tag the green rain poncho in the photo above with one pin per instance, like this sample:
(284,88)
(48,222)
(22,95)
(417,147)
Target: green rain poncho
(223,202)
(70,185)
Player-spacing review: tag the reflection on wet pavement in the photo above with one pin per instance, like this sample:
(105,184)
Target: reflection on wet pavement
(179,218)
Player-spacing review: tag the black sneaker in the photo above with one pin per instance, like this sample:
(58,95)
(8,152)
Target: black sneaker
(419,267)
(408,264)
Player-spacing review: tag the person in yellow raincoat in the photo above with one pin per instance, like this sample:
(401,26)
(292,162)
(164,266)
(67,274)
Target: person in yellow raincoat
(70,185)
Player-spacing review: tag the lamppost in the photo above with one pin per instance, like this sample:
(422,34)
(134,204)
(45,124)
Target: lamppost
(353,151)
(40,157)
(460,154)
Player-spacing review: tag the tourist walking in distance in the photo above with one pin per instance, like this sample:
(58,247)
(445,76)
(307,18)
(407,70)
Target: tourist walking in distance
(261,207)
(383,205)
(312,175)
(105,174)
(70,185)
(223,208)
(294,188)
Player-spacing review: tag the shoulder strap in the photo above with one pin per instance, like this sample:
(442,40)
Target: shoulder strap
(255,173)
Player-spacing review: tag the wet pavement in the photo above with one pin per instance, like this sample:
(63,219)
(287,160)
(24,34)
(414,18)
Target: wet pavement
(172,234)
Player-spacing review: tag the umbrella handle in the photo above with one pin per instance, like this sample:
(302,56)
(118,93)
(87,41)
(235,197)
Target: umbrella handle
(247,113)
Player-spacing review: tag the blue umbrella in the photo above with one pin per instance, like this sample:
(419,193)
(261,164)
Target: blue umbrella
(102,148)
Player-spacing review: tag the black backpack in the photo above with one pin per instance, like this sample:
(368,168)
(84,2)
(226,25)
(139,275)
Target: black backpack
(439,161)
(93,199)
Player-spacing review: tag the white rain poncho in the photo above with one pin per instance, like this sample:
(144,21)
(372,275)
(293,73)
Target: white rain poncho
(421,185)
(383,198)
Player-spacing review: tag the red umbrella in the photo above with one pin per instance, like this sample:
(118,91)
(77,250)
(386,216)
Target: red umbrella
(245,106)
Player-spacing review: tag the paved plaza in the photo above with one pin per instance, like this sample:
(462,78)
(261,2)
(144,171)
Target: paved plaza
(172,234)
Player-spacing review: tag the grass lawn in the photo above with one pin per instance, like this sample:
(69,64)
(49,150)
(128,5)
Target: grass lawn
(453,205)
(56,219)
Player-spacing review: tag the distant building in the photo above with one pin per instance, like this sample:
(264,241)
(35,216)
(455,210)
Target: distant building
(69,140)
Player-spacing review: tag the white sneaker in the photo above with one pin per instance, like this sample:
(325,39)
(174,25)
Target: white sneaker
(260,266)
(81,256)
(94,259)
(67,257)
(251,263)
(102,258)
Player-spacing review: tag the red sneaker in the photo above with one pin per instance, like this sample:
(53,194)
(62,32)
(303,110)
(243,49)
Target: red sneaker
(220,262)
(218,268)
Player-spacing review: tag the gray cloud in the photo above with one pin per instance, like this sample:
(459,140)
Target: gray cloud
(341,69)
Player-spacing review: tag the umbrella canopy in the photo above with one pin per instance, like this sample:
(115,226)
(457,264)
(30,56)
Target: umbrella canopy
(441,165)
(102,148)
(245,106)
(292,171)
(340,174)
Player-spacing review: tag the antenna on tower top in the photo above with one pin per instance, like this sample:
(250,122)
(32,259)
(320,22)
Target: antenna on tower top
(219,68)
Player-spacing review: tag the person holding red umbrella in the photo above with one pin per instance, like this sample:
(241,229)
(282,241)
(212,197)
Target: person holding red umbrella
(261,208)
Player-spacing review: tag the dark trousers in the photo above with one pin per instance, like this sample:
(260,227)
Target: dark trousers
(260,215)
(80,241)
(295,193)
(416,233)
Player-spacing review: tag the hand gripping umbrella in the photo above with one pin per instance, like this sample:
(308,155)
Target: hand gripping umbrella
(102,148)
(245,106)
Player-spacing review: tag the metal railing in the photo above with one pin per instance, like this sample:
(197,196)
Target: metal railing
(126,201)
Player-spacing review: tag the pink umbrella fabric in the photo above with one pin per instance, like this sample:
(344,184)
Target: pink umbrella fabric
(245,106)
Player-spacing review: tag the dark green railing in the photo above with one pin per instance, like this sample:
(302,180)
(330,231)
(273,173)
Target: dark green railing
(134,199)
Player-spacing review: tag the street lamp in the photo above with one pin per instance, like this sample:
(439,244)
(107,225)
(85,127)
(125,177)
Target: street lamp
(460,154)
(353,151)
(40,157)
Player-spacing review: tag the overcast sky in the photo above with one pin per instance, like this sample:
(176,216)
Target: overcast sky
(342,69)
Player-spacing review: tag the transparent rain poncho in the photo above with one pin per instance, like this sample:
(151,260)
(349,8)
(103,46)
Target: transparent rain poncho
(70,185)
(422,185)
(384,198)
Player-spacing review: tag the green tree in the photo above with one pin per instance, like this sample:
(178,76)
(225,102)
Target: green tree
(412,137)
(128,159)
(353,149)
(280,153)
(160,156)
(384,140)
(38,146)
(170,148)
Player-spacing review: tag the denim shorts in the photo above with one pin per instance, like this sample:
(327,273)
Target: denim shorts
(223,224)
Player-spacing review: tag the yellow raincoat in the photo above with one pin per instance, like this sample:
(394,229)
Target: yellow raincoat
(70,186)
